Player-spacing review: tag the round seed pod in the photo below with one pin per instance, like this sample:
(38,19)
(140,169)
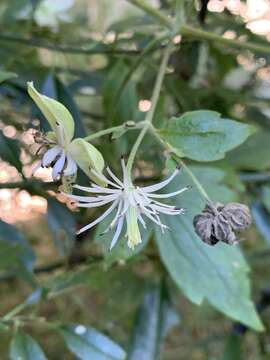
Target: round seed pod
(203,225)
(238,215)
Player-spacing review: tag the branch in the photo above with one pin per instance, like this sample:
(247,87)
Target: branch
(31,42)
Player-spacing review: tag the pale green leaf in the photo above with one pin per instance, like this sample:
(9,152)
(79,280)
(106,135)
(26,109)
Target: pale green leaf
(203,135)
(87,343)
(24,347)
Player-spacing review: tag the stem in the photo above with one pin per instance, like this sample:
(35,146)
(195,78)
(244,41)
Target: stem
(170,149)
(197,32)
(211,36)
(163,19)
(104,132)
(128,125)
(195,180)
(150,114)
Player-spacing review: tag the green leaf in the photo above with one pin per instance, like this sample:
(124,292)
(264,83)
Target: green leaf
(217,273)
(87,157)
(24,347)
(203,136)
(121,251)
(14,249)
(87,343)
(10,151)
(63,226)
(6,75)
(232,349)
(251,155)
(156,316)
(266,196)
(54,112)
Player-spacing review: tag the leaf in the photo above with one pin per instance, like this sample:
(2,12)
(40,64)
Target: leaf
(14,249)
(63,226)
(54,112)
(218,274)
(87,157)
(120,251)
(232,349)
(6,75)
(262,220)
(156,316)
(10,151)
(266,196)
(203,136)
(87,343)
(24,347)
(251,155)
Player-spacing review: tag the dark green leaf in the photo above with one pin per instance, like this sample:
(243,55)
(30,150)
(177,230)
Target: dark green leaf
(232,349)
(24,347)
(63,226)
(203,136)
(262,220)
(10,151)
(219,272)
(155,317)
(87,343)
(14,249)
(121,251)
(252,154)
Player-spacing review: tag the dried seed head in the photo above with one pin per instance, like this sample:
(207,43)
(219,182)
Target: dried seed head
(238,215)
(219,223)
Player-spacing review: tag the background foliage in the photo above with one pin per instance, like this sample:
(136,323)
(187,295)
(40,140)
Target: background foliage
(68,295)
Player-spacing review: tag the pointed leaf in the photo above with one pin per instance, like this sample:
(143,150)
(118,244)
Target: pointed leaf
(62,223)
(155,317)
(24,347)
(54,112)
(87,343)
(10,151)
(217,273)
(203,136)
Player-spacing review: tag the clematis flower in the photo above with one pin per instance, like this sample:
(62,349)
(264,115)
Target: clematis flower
(132,204)
(64,154)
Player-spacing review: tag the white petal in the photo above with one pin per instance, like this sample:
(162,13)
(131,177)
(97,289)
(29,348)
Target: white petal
(117,232)
(71,167)
(162,184)
(115,178)
(103,178)
(96,204)
(59,165)
(59,129)
(50,155)
(103,216)
(164,196)
(97,189)
(125,174)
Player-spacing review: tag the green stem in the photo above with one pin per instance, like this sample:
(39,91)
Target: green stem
(129,125)
(170,149)
(198,33)
(211,36)
(163,19)
(150,114)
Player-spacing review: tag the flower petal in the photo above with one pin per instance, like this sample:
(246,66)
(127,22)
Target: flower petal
(71,167)
(59,165)
(50,155)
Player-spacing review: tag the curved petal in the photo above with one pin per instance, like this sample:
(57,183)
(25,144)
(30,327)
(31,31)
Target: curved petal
(50,155)
(54,111)
(71,167)
(59,165)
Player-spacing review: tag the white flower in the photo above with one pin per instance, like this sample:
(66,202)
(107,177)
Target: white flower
(58,156)
(65,154)
(132,203)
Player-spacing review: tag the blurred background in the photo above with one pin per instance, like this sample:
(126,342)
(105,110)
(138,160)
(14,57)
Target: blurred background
(78,51)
